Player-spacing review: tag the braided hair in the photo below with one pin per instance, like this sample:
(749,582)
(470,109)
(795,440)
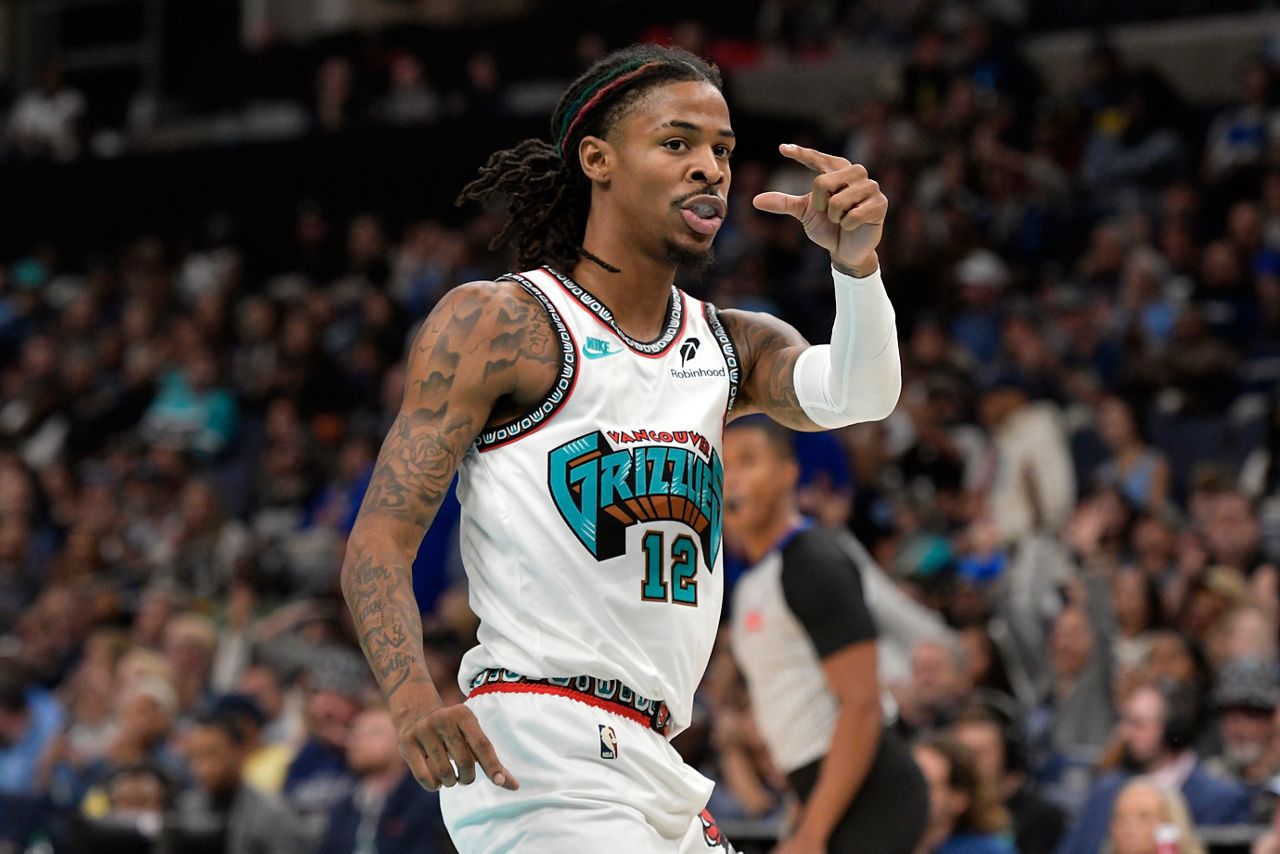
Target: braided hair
(548,194)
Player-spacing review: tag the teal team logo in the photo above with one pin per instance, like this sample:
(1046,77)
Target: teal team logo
(598,348)
(602,485)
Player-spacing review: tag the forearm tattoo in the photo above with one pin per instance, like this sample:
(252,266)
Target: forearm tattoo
(380,596)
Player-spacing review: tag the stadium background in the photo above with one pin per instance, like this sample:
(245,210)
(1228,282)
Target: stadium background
(222,223)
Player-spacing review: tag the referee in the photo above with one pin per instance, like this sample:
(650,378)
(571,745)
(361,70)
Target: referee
(805,641)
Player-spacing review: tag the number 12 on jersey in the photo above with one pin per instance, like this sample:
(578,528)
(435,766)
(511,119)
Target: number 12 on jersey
(683,589)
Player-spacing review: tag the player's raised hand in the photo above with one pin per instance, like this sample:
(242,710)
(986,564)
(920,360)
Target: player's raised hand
(429,742)
(843,213)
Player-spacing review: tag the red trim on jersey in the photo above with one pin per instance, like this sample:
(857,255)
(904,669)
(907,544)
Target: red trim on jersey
(684,317)
(569,693)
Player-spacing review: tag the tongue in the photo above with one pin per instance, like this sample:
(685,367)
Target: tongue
(701,224)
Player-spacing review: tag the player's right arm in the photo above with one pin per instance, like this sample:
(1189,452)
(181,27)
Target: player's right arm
(485,348)
(857,377)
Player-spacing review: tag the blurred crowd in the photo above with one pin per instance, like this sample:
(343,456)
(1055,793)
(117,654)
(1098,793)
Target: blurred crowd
(1073,515)
(270,87)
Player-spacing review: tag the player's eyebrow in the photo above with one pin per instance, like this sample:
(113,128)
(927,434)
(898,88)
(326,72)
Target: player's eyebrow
(684,125)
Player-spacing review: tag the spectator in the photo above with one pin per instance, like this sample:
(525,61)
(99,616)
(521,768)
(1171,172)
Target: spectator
(387,811)
(368,263)
(146,711)
(483,93)
(1222,295)
(1152,538)
(925,78)
(142,727)
(1128,165)
(1211,596)
(982,276)
(191,411)
(335,102)
(984,666)
(1138,615)
(265,764)
(1157,732)
(280,706)
(1000,754)
(1145,306)
(319,777)
(157,605)
(1231,533)
(1032,485)
(1196,372)
(223,807)
(189,642)
(1147,817)
(138,796)
(1246,698)
(1177,659)
(1244,633)
(48,121)
(929,699)
(1135,468)
(411,100)
(965,816)
(30,718)
(1239,137)
(1079,703)
(19,578)
(205,549)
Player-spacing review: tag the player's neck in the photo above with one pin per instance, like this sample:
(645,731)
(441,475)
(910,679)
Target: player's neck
(638,294)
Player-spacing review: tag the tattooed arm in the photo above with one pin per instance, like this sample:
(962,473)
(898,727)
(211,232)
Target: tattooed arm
(768,348)
(485,349)
(857,377)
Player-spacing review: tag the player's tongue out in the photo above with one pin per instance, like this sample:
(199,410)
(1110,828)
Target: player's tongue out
(702,218)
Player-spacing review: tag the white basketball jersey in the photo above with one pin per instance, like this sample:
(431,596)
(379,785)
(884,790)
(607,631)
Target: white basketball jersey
(591,527)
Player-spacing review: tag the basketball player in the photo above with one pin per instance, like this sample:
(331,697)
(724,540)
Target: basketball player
(805,641)
(582,402)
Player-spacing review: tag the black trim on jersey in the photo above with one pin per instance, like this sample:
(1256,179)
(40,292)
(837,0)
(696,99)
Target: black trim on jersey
(589,301)
(560,391)
(822,586)
(727,348)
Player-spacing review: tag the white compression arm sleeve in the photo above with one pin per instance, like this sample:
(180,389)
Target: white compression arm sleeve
(857,377)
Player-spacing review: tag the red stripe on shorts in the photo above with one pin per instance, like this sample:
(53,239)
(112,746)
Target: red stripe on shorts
(570,693)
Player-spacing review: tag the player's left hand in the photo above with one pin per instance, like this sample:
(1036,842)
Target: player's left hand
(843,213)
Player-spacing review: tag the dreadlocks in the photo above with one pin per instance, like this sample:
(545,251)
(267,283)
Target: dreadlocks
(548,194)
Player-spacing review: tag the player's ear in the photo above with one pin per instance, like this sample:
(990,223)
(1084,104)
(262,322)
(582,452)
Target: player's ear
(597,158)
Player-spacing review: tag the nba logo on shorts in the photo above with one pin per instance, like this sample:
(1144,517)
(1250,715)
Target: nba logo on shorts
(608,742)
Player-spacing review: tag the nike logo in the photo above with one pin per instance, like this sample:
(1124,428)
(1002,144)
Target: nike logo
(595,348)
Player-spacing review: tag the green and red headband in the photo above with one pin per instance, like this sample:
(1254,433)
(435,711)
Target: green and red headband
(592,95)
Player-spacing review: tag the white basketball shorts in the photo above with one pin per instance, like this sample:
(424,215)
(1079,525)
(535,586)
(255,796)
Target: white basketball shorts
(590,780)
